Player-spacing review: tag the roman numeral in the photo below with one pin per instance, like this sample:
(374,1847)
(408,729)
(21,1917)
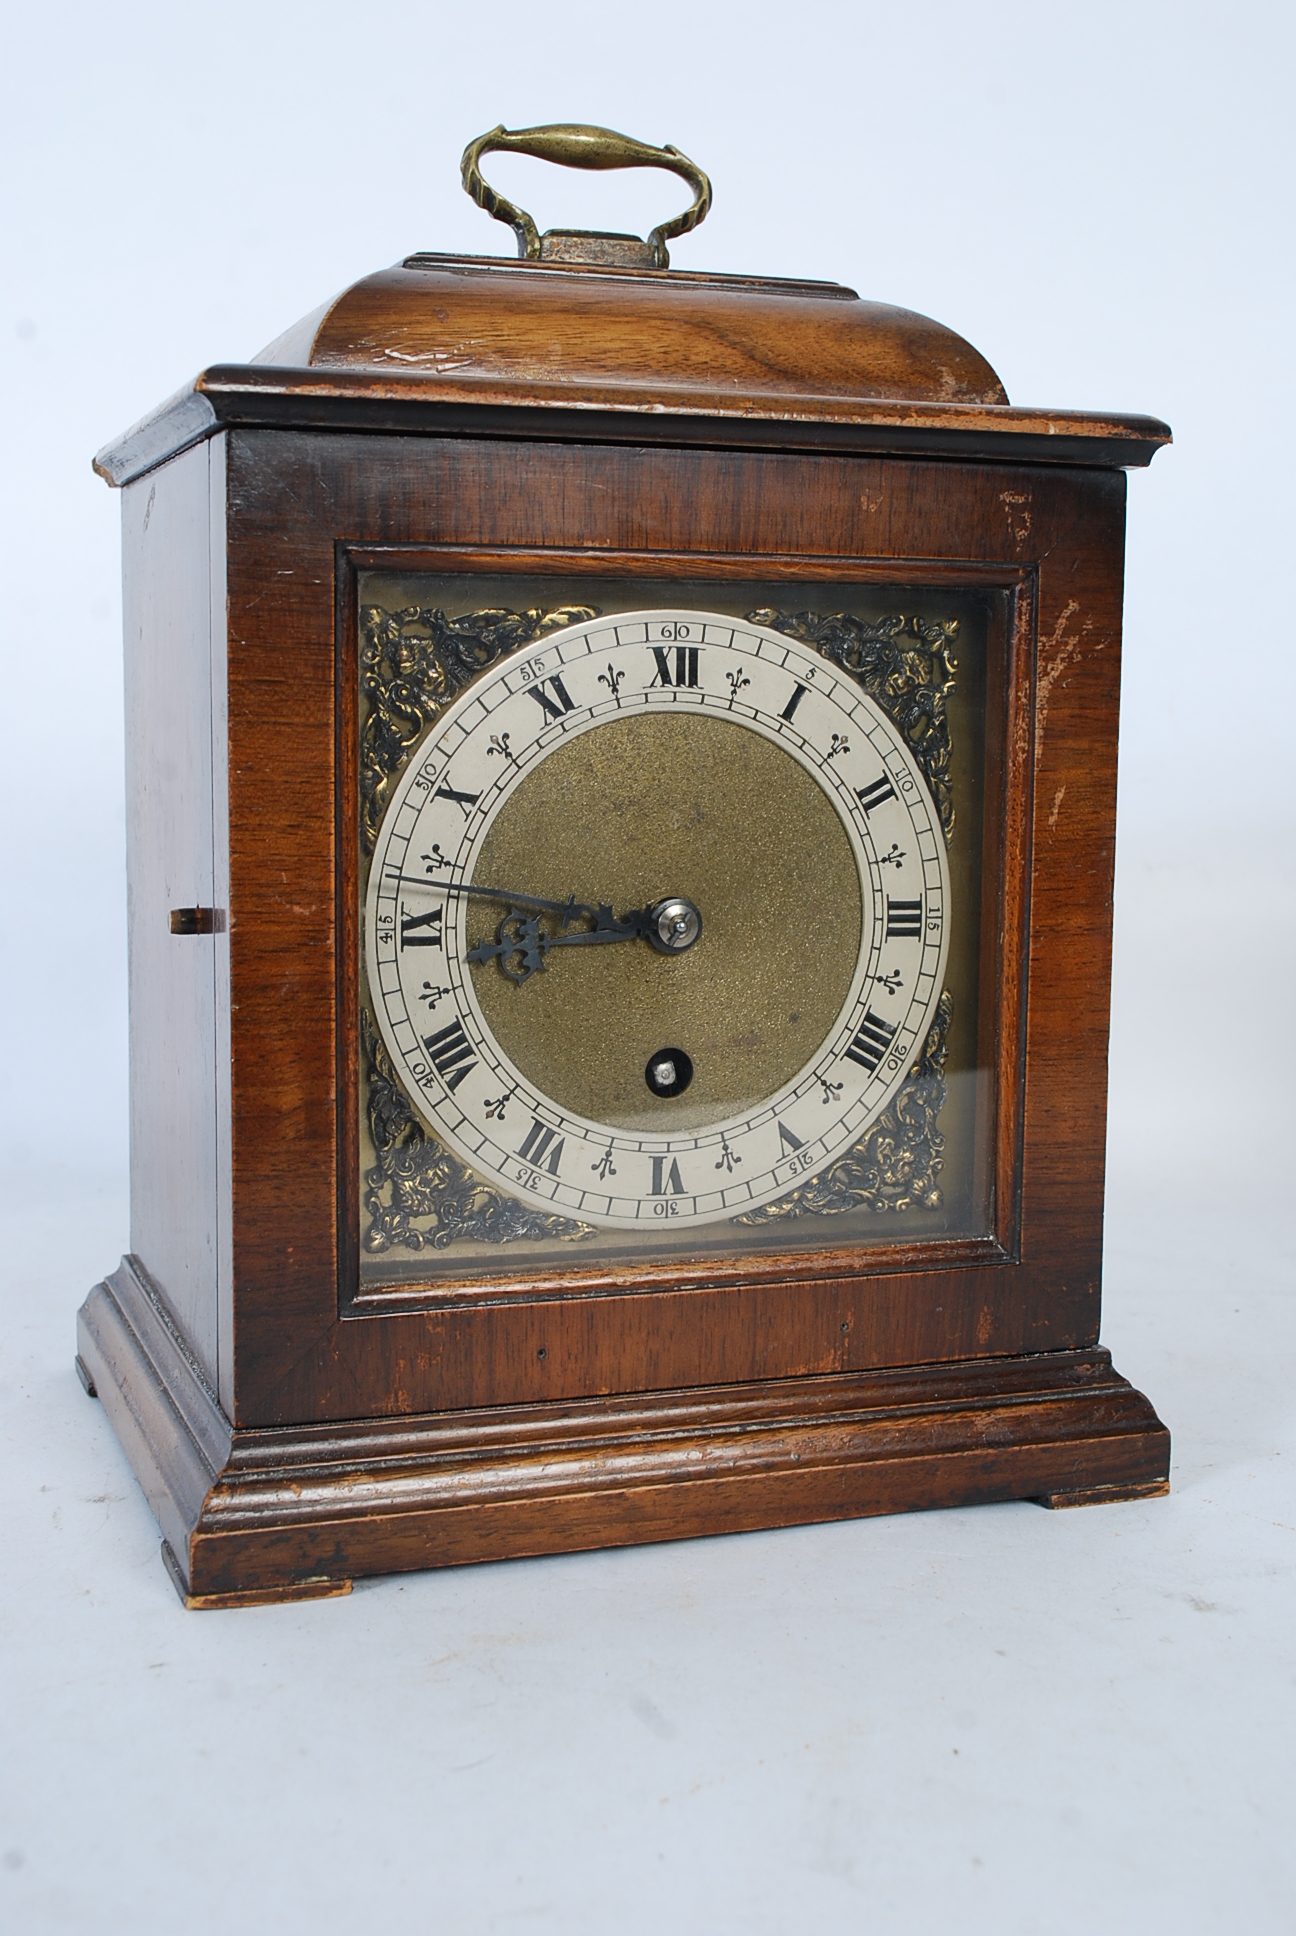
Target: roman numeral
(799,693)
(872,1042)
(686,665)
(873,796)
(466,801)
(562,701)
(789,1141)
(666,1182)
(535,1144)
(451,1052)
(904,920)
(432,922)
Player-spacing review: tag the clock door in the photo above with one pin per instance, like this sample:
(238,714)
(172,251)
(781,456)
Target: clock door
(803,776)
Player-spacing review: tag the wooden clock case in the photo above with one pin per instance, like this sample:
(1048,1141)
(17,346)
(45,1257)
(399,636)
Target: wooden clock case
(293,1432)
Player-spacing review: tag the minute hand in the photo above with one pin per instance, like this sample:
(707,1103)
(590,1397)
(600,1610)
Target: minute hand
(569,909)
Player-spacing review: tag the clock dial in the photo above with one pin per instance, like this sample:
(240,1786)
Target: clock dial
(657,919)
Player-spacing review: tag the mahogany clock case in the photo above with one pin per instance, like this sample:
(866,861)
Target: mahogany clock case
(298,1418)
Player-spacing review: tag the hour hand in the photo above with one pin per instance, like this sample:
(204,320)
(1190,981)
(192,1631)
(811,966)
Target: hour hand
(519,939)
(521,943)
(670,926)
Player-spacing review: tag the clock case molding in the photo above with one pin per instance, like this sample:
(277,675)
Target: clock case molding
(292,1434)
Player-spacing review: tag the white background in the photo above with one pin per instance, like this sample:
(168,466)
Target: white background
(1000,1719)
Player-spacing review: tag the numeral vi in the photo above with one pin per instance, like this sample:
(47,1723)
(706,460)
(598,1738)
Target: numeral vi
(666,1182)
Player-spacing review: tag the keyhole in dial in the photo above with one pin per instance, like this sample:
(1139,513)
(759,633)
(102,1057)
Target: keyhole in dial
(669,1072)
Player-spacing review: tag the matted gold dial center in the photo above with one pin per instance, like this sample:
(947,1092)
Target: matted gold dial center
(754,950)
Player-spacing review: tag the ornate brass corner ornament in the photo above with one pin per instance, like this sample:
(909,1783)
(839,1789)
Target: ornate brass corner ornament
(896,1164)
(906,666)
(420,1197)
(413,663)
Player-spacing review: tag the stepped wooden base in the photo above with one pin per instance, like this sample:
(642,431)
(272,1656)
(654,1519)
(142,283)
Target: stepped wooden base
(296,1512)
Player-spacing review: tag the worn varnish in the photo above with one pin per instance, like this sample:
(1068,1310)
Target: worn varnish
(292,1434)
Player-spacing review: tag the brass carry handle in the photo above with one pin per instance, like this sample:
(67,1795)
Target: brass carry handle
(575,146)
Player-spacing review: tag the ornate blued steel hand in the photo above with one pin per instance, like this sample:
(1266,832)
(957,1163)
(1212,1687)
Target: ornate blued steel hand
(521,943)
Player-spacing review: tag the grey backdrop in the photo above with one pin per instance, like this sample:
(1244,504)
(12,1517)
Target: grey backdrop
(1098,196)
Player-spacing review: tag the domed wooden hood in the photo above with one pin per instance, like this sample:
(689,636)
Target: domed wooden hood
(589,331)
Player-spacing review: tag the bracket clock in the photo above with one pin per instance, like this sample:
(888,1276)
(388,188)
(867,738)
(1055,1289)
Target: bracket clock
(621,772)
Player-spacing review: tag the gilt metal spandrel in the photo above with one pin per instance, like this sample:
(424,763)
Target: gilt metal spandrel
(418,1196)
(895,1165)
(905,665)
(413,663)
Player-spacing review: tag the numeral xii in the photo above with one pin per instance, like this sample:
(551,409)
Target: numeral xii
(686,665)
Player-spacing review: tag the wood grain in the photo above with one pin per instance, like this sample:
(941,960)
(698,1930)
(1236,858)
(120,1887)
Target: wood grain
(243,396)
(301,499)
(298,1512)
(292,1433)
(519,325)
(170,855)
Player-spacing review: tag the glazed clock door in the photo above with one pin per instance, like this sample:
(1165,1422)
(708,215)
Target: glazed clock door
(657,920)
(672,920)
